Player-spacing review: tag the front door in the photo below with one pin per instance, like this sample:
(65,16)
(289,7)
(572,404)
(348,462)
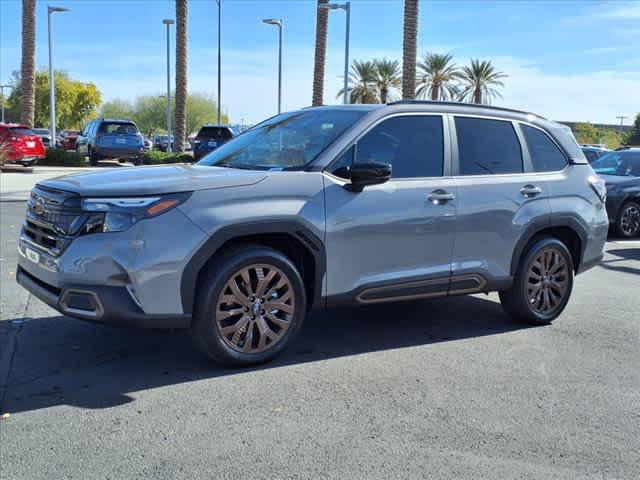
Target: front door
(394,240)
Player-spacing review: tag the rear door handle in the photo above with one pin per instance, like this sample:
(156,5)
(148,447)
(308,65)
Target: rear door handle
(439,197)
(530,191)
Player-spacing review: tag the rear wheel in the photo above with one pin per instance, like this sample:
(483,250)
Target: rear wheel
(542,284)
(250,306)
(93,157)
(628,224)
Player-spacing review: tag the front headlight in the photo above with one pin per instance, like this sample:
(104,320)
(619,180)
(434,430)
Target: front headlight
(120,214)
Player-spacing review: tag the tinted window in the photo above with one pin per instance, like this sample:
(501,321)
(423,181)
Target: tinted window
(621,163)
(340,167)
(545,156)
(487,146)
(412,145)
(118,128)
(215,132)
(20,131)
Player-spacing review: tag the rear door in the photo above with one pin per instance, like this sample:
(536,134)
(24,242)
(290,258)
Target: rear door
(394,240)
(499,196)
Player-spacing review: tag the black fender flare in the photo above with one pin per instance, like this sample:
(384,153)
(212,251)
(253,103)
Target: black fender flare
(208,249)
(566,221)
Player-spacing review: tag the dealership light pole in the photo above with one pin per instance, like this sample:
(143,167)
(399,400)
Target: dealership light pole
(2,87)
(52,80)
(168,23)
(219,63)
(347,8)
(280,23)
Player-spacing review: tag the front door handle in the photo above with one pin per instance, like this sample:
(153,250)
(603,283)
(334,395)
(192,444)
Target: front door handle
(530,191)
(439,197)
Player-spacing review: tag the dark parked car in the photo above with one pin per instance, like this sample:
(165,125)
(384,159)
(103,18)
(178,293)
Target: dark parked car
(621,172)
(209,138)
(19,144)
(45,136)
(68,138)
(593,153)
(111,139)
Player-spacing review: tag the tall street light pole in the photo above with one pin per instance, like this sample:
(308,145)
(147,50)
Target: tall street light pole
(280,23)
(52,80)
(168,23)
(347,8)
(622,118)
(2,87)
(219,2)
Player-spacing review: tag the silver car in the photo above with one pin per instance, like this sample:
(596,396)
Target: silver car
(322,207)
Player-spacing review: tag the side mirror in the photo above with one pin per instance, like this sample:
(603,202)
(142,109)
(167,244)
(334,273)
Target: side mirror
(366,174)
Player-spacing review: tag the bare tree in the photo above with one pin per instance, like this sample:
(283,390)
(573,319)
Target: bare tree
(179,134)
(322,18)
(409,49)
(28,68)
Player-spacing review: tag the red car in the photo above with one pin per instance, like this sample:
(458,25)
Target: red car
(68,139)
(19,144)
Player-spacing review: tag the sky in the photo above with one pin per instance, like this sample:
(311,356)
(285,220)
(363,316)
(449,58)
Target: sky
(566,60)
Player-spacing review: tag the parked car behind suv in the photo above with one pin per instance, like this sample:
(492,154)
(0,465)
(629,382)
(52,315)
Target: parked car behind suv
(45,136)
(209,138)
(321,207)
(19,144)
(103,138)
(593,153)
(621,172)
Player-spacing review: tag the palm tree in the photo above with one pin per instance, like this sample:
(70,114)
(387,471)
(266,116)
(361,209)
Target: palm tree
(179,134)
(28,67)
(437,77)
(362,78)
(409,48)
(387,78)
(479,81)
(322,17)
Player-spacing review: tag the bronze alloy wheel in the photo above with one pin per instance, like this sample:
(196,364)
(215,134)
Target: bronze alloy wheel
(255,308)
(547,281)
(630,220)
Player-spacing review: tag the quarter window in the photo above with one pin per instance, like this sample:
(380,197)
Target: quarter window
(487,147)
(545,156)
(413,146)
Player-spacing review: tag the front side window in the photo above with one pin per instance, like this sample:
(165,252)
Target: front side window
(487,147)
(545,156)
(289,141)
(413,145)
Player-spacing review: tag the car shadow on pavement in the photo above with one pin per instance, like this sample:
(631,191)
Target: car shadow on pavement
(622,255)
(62,361)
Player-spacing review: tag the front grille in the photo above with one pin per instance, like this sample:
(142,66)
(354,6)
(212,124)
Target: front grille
(54,218)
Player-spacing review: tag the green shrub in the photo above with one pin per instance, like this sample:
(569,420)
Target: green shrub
(156,157)
(59,157)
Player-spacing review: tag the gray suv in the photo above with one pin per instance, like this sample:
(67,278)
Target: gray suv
(317,208)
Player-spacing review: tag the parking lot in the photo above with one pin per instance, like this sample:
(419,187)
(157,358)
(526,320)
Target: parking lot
(445,388)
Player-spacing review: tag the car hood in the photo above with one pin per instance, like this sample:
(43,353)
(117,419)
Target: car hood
(130,181)
(619,179)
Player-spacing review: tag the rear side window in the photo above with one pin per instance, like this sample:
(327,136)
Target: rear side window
(545,156)
(412,145)
(487,147)
(215,132)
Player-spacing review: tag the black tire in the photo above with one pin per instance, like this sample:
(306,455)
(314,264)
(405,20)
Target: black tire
(517,302)
(93,157)
(628,221)
(206,330)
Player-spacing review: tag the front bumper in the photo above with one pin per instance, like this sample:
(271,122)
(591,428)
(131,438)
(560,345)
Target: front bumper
(98,303)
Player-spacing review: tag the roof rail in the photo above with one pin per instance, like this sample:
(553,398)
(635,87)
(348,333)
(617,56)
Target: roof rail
(460,104)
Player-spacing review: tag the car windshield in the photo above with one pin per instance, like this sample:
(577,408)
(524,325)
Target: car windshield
(621,163)
(289,141)
(219,133)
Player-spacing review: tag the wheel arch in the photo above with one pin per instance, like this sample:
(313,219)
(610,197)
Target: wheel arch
(290,237)
(568,230)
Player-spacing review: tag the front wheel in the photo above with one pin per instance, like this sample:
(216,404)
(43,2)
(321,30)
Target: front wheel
(628,223)
(250,306)
(542,284)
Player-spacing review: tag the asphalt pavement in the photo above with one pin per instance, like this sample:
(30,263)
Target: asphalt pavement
(447,388)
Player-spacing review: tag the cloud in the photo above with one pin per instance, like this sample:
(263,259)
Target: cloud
(611,10)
